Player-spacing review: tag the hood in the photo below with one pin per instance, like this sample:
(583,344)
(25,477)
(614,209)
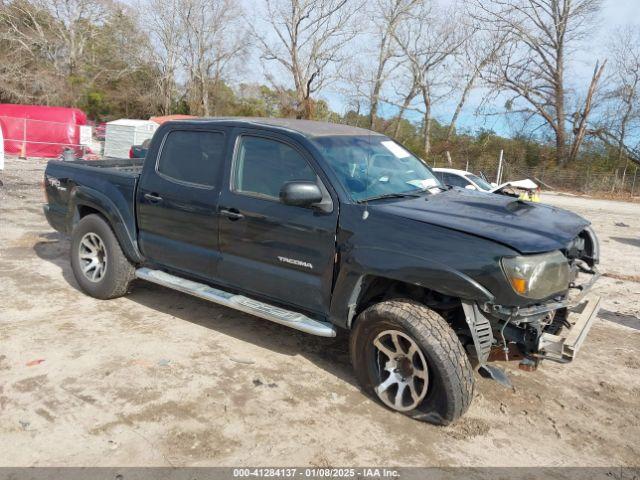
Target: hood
(523,226)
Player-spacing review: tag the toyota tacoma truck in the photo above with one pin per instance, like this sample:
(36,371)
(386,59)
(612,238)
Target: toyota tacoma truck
(336,230)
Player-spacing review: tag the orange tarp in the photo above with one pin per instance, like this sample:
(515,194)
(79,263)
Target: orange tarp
(166,118)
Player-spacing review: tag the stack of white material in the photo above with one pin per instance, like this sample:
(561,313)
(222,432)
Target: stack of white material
(121,134)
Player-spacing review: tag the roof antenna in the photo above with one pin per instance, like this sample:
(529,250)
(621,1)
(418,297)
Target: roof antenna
(365,214)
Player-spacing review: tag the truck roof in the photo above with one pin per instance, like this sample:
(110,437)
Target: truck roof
(309,128)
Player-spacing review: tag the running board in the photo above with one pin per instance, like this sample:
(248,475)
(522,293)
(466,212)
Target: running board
(238,302)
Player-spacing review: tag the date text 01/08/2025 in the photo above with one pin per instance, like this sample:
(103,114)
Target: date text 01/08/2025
(315,472)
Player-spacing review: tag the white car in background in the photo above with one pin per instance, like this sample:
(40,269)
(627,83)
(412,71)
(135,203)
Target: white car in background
(523,189)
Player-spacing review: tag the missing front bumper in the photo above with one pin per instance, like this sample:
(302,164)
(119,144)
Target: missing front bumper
(564,348)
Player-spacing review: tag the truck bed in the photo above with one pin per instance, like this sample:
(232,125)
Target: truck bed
(112,180)
(128,165)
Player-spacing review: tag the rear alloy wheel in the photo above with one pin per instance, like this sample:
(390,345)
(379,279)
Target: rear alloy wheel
(100,267)
(93,257)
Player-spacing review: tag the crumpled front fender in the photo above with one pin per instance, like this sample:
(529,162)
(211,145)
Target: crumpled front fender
(370,262)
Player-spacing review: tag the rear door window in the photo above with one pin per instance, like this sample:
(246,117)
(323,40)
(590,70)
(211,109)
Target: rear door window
(263,165)
(193,157)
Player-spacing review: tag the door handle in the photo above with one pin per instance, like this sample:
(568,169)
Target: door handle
(231,213)
(153,197)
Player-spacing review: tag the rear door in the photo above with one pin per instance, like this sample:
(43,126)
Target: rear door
(178,200)
(282,252)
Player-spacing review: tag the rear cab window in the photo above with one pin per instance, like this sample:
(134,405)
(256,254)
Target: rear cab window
(192,157)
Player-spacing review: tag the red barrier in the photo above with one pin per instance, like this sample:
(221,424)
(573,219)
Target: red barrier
(40,131)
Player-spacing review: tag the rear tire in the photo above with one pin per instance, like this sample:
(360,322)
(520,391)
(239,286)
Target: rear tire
(98,263)
(408,358)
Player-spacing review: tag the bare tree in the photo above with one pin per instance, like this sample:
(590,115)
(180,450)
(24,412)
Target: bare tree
(307,38)
(74,27)
(27,69)
(429,41)
(166,37)
(407,99)
(619,123)
(52,49)
(213,39)
(542,35)
(479,50)
(387,15)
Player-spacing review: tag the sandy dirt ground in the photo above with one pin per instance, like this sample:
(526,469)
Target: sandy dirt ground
(161,378)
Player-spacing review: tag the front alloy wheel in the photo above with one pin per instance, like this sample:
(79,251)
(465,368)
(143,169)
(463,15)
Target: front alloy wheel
(409,358)
(402,369)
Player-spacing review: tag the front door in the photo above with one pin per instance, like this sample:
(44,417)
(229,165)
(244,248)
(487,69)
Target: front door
(178,200)
(270,249)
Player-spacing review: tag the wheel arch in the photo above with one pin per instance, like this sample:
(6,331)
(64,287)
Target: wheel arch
(86,201)
(361,281)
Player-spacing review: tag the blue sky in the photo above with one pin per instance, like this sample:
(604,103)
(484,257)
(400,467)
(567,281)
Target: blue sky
(614,14)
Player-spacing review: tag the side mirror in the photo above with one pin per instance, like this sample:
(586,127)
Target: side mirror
(470,187)
(300,194)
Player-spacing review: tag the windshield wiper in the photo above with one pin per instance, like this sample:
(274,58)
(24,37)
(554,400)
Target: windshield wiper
(391,195)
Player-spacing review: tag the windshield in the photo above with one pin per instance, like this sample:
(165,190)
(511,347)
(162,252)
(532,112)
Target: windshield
(479,181)
(374,166)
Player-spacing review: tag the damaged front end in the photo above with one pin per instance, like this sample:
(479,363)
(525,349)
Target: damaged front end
(550,329)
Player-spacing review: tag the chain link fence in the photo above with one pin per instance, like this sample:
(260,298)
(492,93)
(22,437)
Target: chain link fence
(622,182)
(37,138)
(33,138)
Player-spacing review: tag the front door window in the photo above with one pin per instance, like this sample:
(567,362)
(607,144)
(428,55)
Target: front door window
(263,166)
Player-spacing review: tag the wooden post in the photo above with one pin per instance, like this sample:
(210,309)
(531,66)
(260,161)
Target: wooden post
(23,149)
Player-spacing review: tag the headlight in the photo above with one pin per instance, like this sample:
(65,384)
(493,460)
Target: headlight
(537,276)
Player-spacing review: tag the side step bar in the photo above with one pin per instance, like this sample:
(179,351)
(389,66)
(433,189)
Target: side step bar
(238,302)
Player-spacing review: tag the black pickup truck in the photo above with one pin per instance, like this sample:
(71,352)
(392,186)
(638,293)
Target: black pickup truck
(336,230)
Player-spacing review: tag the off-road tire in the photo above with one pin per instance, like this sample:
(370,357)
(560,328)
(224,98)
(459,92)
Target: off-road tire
(119,271)
(451,381)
